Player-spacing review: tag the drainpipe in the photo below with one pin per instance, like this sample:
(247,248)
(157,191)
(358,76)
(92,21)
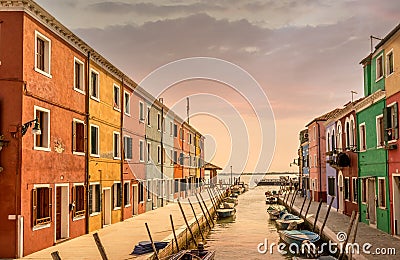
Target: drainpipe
(319,159)
(121,145)
(162,153)
(87,143)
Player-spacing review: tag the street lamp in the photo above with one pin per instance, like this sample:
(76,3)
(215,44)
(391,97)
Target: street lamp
(35,129)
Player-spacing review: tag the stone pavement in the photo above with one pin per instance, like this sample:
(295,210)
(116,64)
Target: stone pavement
(338,222)
(119,239)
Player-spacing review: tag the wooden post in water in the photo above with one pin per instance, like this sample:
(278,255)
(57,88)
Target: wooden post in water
(151,240)
(308,208)
(327,215)
(284,198)
(55,255)
(173,231)
(302,206)
(212,200)
(353,239)
(202,210)
(195,216)
(100,246)
(293,200)
(287,198)
(187,224)
(353,215)
(208,212)
(316,216)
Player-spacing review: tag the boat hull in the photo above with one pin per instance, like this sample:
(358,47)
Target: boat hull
(225,213)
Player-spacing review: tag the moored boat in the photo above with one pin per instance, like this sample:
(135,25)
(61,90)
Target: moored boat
(288,219)
(231,200)
(271,200)
(145,247)
(298,236)
(224,213)
(275,211)
(198,253)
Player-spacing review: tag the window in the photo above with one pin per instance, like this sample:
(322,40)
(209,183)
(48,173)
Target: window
(355,189)
(148,152)
(175,130)
(389,63)
(171,157)
(79,81)
(78,198)
(382,192)
(352,136)
(141,151)
(117,103)
(315,133)
(117,195)
(127,104)
(315,161)
(331,186)
(333,140)
(364,190)
(390,122)
(78,137)
(141,192)
(347,125)
(328,142)
(363,142)
(42,141)
(141,111)
(148,189)
(339,142)
(94,199)
(41,205)
(148,116)
(158,122)
(127,147)
(379,131)
(127,200)
(42,54)
(94,84)
(171,128)
(175,157)
(190,138)
(159,154)
(182,134)
(116,145)
(379,67)
(347,188)
(163,124)
(94,141)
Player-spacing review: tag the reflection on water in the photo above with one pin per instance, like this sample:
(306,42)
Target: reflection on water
(239,237)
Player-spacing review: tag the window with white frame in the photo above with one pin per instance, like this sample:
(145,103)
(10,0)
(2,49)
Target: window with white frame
(148,151)
(141,151)
(141,192)
(141,111)
(171,128)
(78,137)
(94,84)
(331,186)
(94,141)
(175,130)
(42,141)
(364,190)
(347,129)
(41,205)
(158,122)
(78,198)
(127,104)
(148,117)
(127,147)
(391,122)
(158,154)
(127,200)
(382,192)
(380,133)
(363,136)
(354,183)
(379,67)
(339,141)
(347,188)
(389,63)
(117,195)
(94,199)
(352,135)
(116,98)
(315,161)
(79,72)
(116,145)
(171,157)
(42,54)
(175,156)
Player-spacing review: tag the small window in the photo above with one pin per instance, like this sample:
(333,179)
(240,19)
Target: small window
(389,63)
(127,104)
(175,157)
(94,141)
(94,84)
(158,122)
(148,188)
(380,137)
(141,111)
(390,121)
(315,161)
(141,192)
(148,152)
(78,137)
(175,130)
(190,138)
(117,195)
(79,81)
(339,141)
(128,147)
(127,200)
(331,186)
(364,190)
(116,98)
(42,141)
(382,192)
(42,54)
(346,188)
(116,145)
(141,151)
(379,67)
(171,129)
(148,116)
(363,142)
(159,154)
(94,199)
(41,205)
(355,189)
(78,198)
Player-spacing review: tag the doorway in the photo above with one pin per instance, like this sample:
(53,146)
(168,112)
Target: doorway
(340,193)
(107,206)
(135,201)
(61,212)
(372,201)
(396,204)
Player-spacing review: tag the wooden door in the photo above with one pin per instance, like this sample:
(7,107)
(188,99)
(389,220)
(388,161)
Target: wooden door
(58,213)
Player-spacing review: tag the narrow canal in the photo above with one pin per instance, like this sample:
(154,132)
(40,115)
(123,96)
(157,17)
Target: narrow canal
(239,238)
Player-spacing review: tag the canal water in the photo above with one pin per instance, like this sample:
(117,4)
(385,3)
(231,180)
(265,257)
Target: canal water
(239,238)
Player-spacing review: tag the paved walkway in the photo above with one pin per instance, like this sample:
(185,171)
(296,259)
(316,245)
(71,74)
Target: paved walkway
(120,239)
(338,222)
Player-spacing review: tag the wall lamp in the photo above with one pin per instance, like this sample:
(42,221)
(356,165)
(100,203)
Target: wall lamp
(35,129)
(3,142)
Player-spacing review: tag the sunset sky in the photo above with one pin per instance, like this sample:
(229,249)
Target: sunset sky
(304,54)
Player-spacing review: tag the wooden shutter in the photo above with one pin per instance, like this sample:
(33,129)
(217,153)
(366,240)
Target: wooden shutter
(91,199)
(50,203)
(74,201)
(129,148)
(98,198)
(385,124)
(395,122)
(34,206)
(73,136)
(113,195)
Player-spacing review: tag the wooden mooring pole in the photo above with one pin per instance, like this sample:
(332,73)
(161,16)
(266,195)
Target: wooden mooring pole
(152,242)
(173,231)
(316,216)
(208,212)
(292,201)
(202,210)
(353,215)
(353,239)
(55,255)
(327,215)
(302,206)
(195,216)
(308,208)
(187,224)
(100,246)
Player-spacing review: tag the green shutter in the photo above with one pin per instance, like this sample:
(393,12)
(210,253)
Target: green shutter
(395,123)
(385,123)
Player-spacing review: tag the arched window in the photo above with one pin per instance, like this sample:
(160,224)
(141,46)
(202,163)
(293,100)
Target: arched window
(339,136)
(328,142)
(348,135)
(333,140)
